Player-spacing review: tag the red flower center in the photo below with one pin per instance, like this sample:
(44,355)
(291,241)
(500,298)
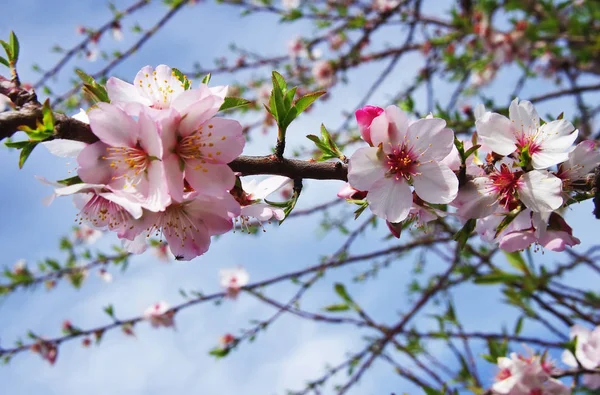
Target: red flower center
(402,162)
(503,374)
(506,184)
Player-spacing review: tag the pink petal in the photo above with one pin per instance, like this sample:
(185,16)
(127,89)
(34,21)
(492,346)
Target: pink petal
(195,115)
(390,199)
(149,139)
(516,241)
(224,140)
(92,168)
(64,148)
(431,138)
(122,92)
(365,168)
(436,183)
(174,176)
(209,179)
(113,126)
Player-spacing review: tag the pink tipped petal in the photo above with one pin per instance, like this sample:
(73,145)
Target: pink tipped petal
(365,168)
(174,176)
(224,140)
(436,183)
(149,139)
(496,132)
(558,241)
(209,179)
(541,191)
(113,126)
(516,241)
(122,92)
(389,127)
(390,199)
(195,115)
(364,118)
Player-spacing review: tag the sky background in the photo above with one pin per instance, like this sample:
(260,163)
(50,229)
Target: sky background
(162,361)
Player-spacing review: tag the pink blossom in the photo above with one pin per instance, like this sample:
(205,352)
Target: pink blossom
(197,148)
(582,160)
(85,234)
(186,226)
(587,352)
(47,350)
(403,154)
(546,145)
(160,89)
(296,48)
(127,157)
(336,41)
(253,200)
(162,251)
(505,187)
(290,4)
(102,208)
(105,275)
(324,73)
(159,314)
(385,5)
(364,118)
(233,279)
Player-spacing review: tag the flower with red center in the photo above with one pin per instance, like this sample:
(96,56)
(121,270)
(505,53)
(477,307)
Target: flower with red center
(582,160)
(506,186)
(160,314)
(403,154)
(233,279)
(543,146)
(127,158)
(324,73)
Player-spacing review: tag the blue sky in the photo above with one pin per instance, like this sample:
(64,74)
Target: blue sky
(159,361)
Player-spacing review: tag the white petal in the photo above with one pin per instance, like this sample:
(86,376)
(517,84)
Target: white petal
(64,148)
(390,199)
(268,186)
(496,132)
(365,168)
(436,183)
(540,191)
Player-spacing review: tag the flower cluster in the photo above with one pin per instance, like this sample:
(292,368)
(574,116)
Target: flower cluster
(527,375)
(531,170)
(160,165)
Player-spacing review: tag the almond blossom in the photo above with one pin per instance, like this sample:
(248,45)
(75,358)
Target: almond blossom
(324,73)
(85,234)
(506,186)
(251,199)
(197,148)
(159,89)
(127,157)
(233,280)
(403,154)
(544,145)
(159,314)
(587,352)
(187,226)
(582,160)
(520,375)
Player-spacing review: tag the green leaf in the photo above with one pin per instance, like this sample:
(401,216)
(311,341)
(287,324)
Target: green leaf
(292,15)
(337,307)
(25,152)
(53,264)
(47,116)
(462,236)
(93,90)
(70,181)
(280,81)
(516,260)
(206,79)
(497,278)
(519,325)
(340,289)
(110,311)
(219,352)
(14,43)
(4,61)
(233,102)
(302,104)
(17,144)
(187,84)
(7,49)
(471,151)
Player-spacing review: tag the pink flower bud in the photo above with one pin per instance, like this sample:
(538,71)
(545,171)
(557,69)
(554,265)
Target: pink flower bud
(347,192)
(365,117)
(395,228)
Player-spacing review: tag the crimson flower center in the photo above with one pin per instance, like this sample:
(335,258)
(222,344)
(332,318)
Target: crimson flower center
(506,184)
(402,162)
(528,142)
(503,374)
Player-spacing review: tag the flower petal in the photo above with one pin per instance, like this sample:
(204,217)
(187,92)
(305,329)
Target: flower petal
(120,91)
(209,179)
(113,126)
(540,191)
(365,168)
(430,138)
(64,148)
(390,199)
(496,132)
(436,183)
(92,167)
